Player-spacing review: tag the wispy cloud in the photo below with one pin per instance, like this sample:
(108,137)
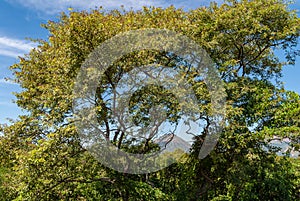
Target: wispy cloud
(56,6)
(18,44)
(14,47)
(7,81)
(9,53)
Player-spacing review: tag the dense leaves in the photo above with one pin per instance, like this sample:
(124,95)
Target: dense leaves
(41,156)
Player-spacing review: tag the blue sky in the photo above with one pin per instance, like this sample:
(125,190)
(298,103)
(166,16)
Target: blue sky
(21,19)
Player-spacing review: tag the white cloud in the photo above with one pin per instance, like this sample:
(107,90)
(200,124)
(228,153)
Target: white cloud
(9,53)
(6,81)
(13,43)
(55,6)
(14,47)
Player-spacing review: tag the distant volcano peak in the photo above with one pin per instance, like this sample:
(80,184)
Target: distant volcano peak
(171,142)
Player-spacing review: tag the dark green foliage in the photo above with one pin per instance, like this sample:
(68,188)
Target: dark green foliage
(41,157)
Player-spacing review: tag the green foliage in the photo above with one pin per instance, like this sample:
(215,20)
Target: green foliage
(42,149)
(2,178)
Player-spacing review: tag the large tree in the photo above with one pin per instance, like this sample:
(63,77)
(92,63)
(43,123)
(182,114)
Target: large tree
(42,153)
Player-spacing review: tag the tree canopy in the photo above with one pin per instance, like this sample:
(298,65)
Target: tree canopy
(42,157)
